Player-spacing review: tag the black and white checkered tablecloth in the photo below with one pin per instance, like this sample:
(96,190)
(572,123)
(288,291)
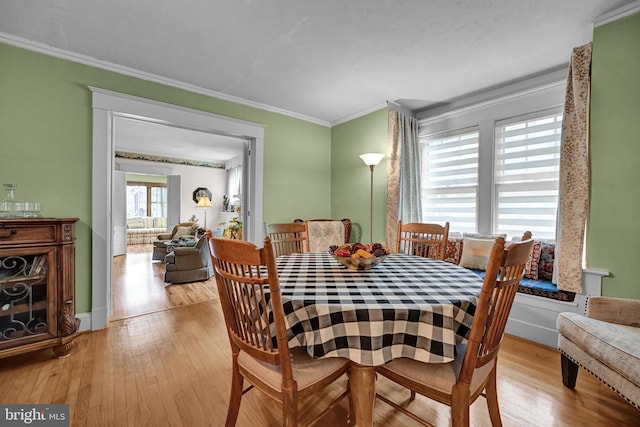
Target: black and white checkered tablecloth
(407,306)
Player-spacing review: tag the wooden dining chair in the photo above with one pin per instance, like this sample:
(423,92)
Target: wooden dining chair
(249,292)
(425,240)
(459,383)
(288,238)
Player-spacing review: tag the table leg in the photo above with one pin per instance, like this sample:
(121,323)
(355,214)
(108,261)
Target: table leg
(362,382)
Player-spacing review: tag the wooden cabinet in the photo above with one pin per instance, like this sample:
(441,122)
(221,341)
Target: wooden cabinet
(37,285)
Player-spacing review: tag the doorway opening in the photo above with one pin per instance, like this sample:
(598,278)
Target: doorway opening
(107,106)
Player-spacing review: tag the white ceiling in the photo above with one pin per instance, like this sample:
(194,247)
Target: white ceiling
(323,61)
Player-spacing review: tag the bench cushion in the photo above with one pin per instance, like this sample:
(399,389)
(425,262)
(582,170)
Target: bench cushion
(616,346)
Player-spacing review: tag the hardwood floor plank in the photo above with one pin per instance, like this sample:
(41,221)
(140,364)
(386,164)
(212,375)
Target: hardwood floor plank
(139,287)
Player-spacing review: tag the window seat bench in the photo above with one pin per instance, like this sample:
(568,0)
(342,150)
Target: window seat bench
(538,302)
(541,288)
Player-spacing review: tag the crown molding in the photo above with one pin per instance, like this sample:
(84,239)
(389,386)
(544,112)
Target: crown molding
(616,14)
(529,86)
(359,114)
(132,72)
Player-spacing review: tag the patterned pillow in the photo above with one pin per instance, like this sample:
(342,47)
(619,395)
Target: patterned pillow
(532,271)
(454,250)
(545,265)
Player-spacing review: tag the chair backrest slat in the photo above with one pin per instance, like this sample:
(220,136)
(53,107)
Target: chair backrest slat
(504,271)
(425,240)
(249,292)
(288,238)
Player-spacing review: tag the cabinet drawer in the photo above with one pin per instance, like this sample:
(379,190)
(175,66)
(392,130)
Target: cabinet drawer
(12,234)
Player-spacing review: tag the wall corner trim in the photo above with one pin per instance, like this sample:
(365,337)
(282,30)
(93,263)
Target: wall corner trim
(616,14)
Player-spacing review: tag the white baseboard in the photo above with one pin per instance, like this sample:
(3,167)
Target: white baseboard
(85,321)
(534,318)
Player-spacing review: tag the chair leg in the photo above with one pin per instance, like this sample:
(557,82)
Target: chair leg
(351,417)
(492,399)
(289,408)
(236,395)
(460,407)
(569,371)
(413,395)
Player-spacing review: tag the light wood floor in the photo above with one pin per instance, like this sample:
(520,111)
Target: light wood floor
(172,368)
(139,287)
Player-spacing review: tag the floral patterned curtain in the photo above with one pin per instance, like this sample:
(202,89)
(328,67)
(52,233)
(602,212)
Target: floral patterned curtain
(573,203)
(403,173)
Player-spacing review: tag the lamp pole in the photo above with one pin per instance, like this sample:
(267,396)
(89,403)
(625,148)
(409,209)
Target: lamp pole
(371,206)
(371,160)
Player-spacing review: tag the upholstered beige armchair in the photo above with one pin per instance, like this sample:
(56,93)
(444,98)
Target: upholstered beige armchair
(189,264)
(606,342)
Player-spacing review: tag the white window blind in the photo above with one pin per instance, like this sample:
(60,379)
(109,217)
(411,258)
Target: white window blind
(450,178)
(527,165)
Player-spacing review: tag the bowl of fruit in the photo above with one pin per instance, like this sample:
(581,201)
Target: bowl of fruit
(359,256)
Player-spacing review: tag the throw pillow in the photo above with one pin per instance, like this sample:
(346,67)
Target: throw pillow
(535,259)
(545,265)
(136,222)
(531,269)
(476,253)
(454,248)
(492,237)
(182,231)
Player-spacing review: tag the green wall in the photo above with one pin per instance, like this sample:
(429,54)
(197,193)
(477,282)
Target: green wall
(613,230)
(351,178)
(46,137)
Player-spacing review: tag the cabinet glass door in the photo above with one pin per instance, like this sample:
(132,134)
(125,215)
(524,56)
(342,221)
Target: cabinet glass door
(27,302)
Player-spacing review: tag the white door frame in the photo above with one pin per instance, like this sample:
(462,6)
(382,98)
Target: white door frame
(106,105)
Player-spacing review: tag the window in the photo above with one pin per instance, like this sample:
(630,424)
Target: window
(450,178)
(527,167)
(146,199)
(490,163)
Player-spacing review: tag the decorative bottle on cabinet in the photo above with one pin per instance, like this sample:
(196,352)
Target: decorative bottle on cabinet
(37,285)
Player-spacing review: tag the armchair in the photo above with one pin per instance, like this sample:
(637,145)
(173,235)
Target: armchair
(184,229)
(606,342)
(189,264)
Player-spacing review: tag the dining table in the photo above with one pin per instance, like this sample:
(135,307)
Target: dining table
(405,306)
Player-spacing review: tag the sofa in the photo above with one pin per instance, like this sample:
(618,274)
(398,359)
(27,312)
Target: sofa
(144,230)
(606,342)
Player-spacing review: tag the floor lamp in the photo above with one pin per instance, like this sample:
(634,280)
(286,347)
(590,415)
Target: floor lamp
(371,160)
(204,202)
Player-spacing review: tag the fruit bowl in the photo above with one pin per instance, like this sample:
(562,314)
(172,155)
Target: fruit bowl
(359,256)
(359,263)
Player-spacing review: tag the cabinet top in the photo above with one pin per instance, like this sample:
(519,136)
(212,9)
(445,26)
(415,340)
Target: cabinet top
(7,221)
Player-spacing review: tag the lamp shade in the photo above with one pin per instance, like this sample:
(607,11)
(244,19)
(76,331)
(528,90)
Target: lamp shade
(204,202)
(371,159)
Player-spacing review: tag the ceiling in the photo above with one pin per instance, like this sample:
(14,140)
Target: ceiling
(142,137)
(323,61)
